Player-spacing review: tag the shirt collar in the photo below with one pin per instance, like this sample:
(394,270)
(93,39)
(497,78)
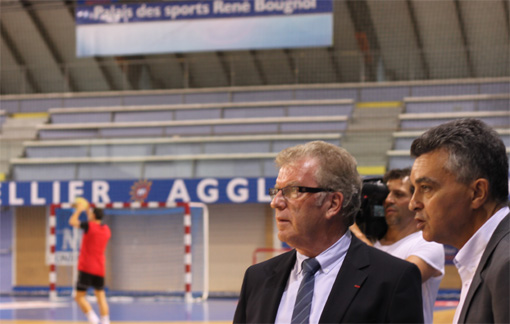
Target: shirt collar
(331,256)
(469,255)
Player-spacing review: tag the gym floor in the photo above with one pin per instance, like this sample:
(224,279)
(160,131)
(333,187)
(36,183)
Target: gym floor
(140,311)
(122,310)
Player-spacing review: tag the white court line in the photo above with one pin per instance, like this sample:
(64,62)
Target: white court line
(32,304)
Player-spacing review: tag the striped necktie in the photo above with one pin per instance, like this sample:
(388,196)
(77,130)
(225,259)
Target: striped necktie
(301,313)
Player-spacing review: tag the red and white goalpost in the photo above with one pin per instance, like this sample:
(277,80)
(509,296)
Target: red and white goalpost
(187,240)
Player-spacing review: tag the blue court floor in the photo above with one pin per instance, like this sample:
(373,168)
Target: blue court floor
(129,310)
(122,309)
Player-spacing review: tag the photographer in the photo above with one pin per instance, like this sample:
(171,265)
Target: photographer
(402,238)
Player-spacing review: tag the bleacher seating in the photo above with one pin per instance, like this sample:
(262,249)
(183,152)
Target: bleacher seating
(365,92)
(465,103)
(198,119)
(425,112)
(176,140)
(201,111)
(3,117)
(402,158)
(156,158)
(404,139)
(427,120)
(165,146)
(224,126)
(224,132)
(422,113)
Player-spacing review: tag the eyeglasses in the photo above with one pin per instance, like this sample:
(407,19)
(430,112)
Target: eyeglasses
(291,192)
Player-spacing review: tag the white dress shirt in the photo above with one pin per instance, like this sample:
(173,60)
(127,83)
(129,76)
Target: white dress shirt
(469,255)
(330,260)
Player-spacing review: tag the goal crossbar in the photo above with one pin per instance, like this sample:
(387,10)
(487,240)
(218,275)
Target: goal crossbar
(188,297)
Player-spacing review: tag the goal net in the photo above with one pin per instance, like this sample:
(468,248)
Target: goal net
(156,249)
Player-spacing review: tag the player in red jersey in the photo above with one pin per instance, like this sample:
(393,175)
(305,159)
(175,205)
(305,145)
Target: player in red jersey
(91,263)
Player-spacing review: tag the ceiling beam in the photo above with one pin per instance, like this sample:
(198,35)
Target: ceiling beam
(465,40)
(258,67)
(365,35)
(19,58)
(70,5)
(292,63)
(104,71)
(419,42)
(334,64)
(43,33)
(226,66)
(506,7)
(133,67)
(186,70)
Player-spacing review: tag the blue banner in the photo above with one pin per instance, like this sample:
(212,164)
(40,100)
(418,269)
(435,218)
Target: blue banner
(206,190)
(147,12)
(193,26)
(67,240)
(94,2)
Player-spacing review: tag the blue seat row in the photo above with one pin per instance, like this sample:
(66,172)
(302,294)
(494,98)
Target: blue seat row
(378,91)
(170,146)
(149,113)
(223,156)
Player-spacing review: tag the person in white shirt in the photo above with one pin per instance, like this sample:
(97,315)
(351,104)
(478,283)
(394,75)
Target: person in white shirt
(405,241)
(460,177)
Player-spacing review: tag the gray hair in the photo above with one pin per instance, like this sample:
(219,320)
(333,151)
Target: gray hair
(475,151)
(337,172)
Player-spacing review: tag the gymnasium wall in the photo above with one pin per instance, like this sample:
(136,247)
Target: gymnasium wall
(235,232)
(6,252)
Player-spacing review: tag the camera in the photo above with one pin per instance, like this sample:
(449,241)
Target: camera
(370,218)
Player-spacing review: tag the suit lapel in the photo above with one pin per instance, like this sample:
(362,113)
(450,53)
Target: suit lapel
(275,285)
(351,276)
(501,230)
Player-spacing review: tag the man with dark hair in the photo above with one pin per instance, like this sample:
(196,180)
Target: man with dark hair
(91,263)
(405,241)
(460,177)
(330,276)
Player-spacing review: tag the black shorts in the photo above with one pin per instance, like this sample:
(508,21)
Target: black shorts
(86,280)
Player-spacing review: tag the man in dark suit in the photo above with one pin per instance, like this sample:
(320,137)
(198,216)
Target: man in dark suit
(316,197)
(460,177)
